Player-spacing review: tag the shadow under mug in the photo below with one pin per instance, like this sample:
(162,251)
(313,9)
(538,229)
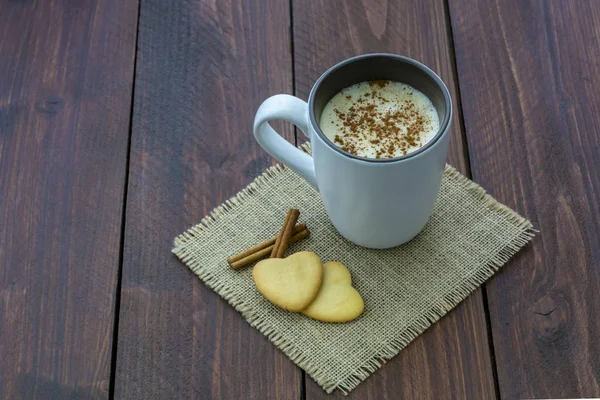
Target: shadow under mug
(376,203)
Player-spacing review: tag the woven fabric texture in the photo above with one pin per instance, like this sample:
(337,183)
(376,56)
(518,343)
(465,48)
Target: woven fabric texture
(406,289)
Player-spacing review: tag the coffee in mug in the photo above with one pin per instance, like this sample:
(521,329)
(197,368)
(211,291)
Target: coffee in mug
(379,168)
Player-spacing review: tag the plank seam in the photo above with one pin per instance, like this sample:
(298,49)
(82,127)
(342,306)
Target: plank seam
(113,365)
(469,172)
(293,53)
(293,66)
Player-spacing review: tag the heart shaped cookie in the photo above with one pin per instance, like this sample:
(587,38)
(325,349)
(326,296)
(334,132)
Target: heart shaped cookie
(291,283)
(337,300)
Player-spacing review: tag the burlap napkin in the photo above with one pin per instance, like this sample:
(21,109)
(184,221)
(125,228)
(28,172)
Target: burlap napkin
(405,289)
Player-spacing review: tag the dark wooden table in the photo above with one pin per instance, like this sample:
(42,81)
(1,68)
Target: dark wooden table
(124,122)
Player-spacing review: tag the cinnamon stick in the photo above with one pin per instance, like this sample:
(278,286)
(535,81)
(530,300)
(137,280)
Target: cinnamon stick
(264,249)
(283,239)
(261,246)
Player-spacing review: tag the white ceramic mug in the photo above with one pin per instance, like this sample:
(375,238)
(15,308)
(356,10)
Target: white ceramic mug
(376,203)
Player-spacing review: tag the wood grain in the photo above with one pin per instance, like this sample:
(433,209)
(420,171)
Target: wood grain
(203,68)
(66,76)
(452,358)
(530,81)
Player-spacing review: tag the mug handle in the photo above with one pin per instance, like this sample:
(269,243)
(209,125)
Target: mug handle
(294,110)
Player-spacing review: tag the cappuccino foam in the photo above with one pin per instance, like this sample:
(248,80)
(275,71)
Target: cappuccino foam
(380,119)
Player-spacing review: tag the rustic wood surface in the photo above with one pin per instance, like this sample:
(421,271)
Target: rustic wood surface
(437,363)
(202,70)
(118,131)
(66,74)
(65,97)
(531,114)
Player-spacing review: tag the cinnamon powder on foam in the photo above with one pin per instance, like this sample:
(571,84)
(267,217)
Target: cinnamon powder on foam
(380,119)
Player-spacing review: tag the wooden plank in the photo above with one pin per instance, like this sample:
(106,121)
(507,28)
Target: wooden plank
(203,68)
(452,359)
(530,81)
(66,76)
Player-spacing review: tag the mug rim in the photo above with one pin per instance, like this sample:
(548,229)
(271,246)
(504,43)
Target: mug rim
(441,131)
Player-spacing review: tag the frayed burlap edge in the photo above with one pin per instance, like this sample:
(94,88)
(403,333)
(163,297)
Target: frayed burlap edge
(450,301)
